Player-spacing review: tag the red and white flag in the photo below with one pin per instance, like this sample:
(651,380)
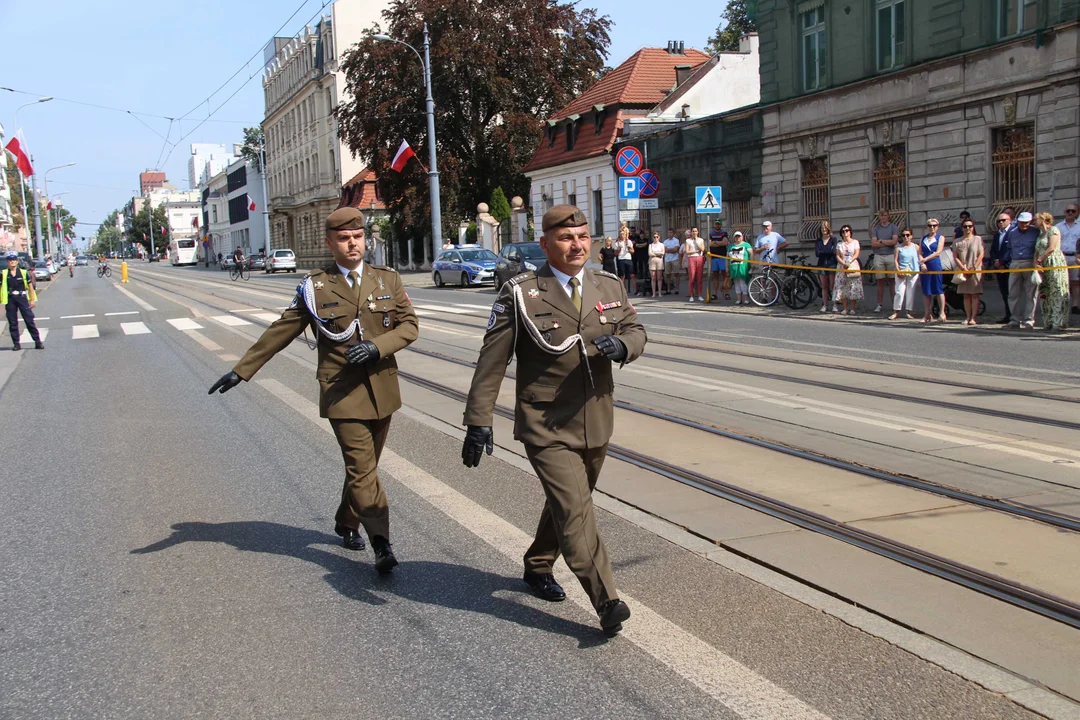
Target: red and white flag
(58,228)
(163,231)
(403,154)
(251,205)
(17,147)
(49,206)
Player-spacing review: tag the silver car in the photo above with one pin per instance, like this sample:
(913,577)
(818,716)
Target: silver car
(281,260)
(41,271)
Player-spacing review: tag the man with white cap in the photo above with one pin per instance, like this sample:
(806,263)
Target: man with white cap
(768,244)
(1023,291)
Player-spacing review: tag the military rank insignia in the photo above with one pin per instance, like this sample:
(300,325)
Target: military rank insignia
(534,293)
(319,285)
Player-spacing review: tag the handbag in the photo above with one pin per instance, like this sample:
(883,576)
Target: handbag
(727,284)
(959,278)
(1036,278)
(853,270)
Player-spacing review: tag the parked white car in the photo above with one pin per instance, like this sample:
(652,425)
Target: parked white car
(281,260)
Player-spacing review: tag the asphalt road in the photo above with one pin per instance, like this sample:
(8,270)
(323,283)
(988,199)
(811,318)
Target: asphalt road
(171,554)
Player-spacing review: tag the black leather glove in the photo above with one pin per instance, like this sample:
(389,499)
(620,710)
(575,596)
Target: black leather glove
(226,382)
(362,353)
(612,347)
(478,439)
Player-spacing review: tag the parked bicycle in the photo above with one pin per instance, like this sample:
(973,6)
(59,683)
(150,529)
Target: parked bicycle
(242,270)
(799,287)
(764,286)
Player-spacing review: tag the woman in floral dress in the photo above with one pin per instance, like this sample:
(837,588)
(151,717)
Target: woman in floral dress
(848,290)
(1055,283)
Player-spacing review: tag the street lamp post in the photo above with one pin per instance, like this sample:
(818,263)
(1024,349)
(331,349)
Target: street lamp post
(51,249)
(48,218)
(22,185)
(433,172)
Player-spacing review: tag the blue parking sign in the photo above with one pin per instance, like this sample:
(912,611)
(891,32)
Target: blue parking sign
(629,188)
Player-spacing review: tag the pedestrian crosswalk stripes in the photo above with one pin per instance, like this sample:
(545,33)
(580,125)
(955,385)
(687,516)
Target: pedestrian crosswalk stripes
(184,324)
(231,320)
(25,338)
(266,317)
(134,328)
(84,332)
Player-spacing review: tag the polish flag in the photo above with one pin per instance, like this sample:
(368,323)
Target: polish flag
(49,206)
(58,228)
(251,205)
(17,147)
(403,154)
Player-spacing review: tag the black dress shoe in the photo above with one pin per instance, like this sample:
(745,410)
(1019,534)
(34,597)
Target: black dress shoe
(350,539)
(544,586)
(613,614)
(39,345)
(1005,320)
(16,346)
(385,561)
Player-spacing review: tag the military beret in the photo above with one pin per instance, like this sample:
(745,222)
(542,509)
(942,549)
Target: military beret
(563,216)
(346,218)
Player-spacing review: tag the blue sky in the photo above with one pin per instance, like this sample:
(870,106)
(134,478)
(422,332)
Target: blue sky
(165,59)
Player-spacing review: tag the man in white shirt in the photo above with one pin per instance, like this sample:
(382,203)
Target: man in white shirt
(671,262)
(1070,234)
(768,244)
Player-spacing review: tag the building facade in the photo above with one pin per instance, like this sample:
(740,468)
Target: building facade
(306,162)
(922,108)
(215,206)
(208,159)
(152,180)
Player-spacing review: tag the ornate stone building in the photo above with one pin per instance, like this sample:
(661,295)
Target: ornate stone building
(306,162)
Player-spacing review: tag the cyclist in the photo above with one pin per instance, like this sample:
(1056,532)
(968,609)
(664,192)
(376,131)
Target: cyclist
(238,257)
(71,264)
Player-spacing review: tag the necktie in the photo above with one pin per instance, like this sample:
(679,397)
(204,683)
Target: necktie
(355,277)
(575,296)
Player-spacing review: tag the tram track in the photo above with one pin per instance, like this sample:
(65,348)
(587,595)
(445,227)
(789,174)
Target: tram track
(1013,593)
(1057,520)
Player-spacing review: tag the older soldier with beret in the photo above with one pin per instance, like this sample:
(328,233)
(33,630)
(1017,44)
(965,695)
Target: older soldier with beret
(567,326)
(360,316)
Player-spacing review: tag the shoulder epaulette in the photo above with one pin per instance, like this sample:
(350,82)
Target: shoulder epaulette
(384,267)
(313,273)
(517,279)
(605,273)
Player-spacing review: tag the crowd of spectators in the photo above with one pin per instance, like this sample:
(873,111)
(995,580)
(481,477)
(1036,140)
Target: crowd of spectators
(943,268)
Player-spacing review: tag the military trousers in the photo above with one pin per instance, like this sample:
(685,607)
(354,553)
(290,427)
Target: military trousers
(363,500)
(568,520)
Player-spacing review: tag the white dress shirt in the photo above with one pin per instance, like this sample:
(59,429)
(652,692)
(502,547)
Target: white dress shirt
(345,272)
(1069,236)
(564,279)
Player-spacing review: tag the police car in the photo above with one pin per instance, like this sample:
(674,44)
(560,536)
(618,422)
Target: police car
(465,265)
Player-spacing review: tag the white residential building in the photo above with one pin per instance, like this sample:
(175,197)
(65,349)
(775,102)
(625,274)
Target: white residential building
(306,162)
(182,208)
(208,159)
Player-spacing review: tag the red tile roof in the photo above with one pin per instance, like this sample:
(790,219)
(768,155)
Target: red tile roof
(643,79)
(588,144)
(359,191)
(633,88)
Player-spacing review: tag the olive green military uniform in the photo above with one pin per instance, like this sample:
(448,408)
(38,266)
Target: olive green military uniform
(358,399)
(564,411)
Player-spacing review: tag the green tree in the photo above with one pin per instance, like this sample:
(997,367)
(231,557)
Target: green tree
(67,224)
(738,20)
(140,228)
(500,206)
(108,236)
(253,139)
(496,69)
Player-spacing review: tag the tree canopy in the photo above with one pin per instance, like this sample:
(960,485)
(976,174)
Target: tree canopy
(738,19)
(108,236)
(249,150)
(497,70)
(140,228)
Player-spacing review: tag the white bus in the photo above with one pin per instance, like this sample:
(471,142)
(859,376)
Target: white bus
(182,252)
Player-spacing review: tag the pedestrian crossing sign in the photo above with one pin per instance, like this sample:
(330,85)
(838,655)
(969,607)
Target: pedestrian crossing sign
(708,199)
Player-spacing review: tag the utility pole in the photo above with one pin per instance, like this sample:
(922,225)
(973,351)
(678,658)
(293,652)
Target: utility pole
(433,173)
(265,192)
(37,215)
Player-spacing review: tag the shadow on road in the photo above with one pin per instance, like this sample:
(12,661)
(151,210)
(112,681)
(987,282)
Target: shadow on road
(456,587)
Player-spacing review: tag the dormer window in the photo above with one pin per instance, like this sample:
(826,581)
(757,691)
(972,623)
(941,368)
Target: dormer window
(572,126)
(601,116)
(552,131)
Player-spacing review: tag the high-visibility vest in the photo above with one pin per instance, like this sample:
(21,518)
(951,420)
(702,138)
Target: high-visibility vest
(26,283)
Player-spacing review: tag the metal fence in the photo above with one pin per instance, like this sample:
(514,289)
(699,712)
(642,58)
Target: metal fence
(815,197)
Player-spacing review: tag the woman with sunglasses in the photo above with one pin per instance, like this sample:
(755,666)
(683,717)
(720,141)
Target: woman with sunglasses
(933,286)
(656,263)
(848,289)
(968,255)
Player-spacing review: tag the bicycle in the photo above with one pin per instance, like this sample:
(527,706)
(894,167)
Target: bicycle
(104,271)
(870,278)
(242,270)
(764,289)
(799,286)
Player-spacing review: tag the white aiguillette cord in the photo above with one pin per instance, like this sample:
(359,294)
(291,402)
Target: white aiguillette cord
(307,291)
(538,337)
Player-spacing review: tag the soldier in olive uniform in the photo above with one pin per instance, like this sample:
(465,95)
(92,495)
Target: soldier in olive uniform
(567,325)
(360,316)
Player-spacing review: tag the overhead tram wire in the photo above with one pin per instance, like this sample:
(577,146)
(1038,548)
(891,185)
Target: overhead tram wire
(126,111)
(240,87)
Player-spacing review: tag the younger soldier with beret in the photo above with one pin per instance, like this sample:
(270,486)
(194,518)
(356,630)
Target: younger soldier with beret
(567,326)
(360,316)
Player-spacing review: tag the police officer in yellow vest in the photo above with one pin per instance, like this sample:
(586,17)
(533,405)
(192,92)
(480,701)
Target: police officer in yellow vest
(567,325)
(18,295)
(360,316)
